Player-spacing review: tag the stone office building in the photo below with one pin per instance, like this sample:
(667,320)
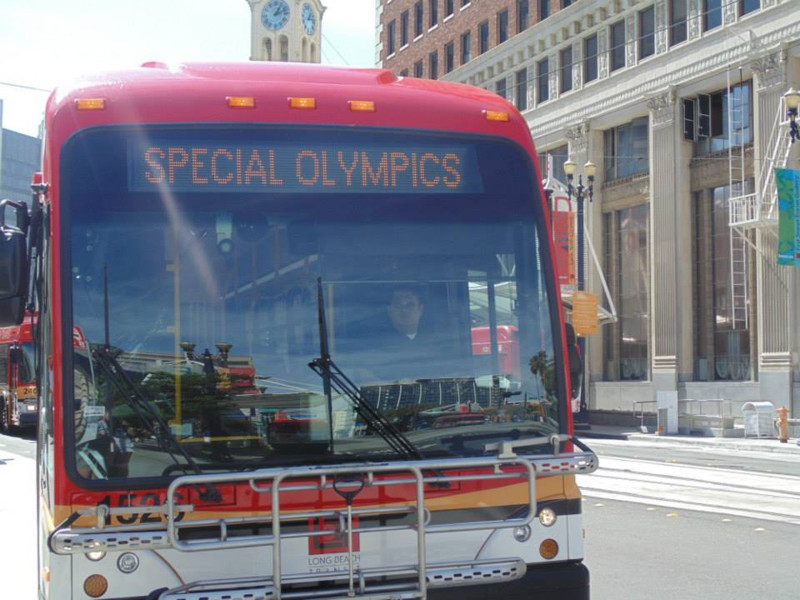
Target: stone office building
(680,105)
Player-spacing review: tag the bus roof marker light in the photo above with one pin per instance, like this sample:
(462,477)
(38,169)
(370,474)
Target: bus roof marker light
(497,115)
(241,101)
(362,105)
(90,103)
(303,103)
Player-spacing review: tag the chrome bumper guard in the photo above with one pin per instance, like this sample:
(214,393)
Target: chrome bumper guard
(373,584)
(383,583)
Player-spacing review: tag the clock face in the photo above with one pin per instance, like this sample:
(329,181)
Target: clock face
(309,19)
(275,14)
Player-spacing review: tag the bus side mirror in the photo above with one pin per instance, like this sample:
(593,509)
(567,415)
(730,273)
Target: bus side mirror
(14,264)
(575,362)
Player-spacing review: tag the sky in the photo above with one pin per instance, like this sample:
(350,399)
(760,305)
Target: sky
(44,42)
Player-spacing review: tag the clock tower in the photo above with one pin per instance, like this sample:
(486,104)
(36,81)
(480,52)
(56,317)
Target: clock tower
(286,30)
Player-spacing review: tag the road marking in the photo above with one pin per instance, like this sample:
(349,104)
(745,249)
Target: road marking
(713,490)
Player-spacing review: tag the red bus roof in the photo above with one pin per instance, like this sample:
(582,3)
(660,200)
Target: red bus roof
(198,92)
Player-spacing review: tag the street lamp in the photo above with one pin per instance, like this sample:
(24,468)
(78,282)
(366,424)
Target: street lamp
(580,193)
(792,100)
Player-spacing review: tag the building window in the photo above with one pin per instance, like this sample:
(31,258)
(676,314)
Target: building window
(502,26)
(543,80)
(449,8)
(418,19)
(404,73)
(566,69)
(449,57)
(544,9)
(404,29)
(558,156)
(390,38)
(722,338)
(677,22)
(464,3)
(617,51)
(466,47)
(483,34)
(418,69)
(626,150)
(719,120)
(632,279)
(433,13)
(590,58)
(521,86)
(284,48)
(433,65)
(712,14)
(747,6)
(500,87)
(523,10)
(566,3)
(647,32)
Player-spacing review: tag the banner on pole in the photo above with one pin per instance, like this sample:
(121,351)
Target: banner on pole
(788,182)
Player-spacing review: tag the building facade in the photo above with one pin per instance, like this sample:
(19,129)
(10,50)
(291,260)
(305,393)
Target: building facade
(679,104)
(20,157)
(286,30)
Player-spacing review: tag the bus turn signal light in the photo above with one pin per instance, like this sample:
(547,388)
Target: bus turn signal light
(362,105)
(241,102)
(497,115)
(548,548)
(90,103)
(95,586)
(303,102)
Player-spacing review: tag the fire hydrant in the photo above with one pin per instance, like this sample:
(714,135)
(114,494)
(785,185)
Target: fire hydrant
(783,424)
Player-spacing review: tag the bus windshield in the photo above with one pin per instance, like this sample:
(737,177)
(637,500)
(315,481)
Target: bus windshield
(195,258)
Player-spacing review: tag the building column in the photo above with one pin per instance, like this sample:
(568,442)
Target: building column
(663,243)
(773,282)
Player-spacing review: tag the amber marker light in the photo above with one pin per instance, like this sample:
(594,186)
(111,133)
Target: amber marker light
(497,115)
(308,103)
(95,586)
(241,101)
(548,548)
(362,105)
(90,103)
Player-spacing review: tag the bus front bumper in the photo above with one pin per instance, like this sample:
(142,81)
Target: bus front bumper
(561,581)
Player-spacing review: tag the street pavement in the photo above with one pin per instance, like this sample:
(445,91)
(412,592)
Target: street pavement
(18,555)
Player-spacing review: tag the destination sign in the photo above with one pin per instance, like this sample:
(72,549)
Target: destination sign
(302,168)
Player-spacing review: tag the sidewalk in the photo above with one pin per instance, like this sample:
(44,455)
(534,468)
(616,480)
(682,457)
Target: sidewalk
(18,561)
(632,434)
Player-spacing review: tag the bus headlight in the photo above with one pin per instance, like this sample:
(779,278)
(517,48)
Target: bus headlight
(547,517)
(128,562)
(522,534)
(95,555)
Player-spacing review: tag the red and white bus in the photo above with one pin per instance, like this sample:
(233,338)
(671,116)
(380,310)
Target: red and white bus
(193,213)
(18,394)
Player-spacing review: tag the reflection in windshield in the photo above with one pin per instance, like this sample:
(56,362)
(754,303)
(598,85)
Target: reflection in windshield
(440,319)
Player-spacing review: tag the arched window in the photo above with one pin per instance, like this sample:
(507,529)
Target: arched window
(268,49)
(314,53)
(284,42)
(305,50)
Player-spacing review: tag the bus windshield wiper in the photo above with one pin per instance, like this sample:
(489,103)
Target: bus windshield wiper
(106,357)
(334,379)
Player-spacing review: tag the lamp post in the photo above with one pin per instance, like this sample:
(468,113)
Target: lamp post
(792,101)
(580,193)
